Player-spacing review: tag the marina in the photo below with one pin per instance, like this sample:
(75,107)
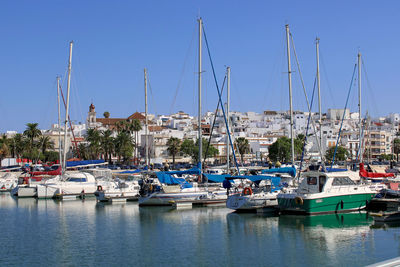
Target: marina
(92,233)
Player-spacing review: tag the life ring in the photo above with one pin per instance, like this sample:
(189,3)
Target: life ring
(247,191)
(99,188)
(298,200)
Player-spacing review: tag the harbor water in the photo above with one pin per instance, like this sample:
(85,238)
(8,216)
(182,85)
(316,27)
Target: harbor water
(86,233)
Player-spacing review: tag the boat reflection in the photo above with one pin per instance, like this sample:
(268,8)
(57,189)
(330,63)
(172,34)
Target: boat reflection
(344,220)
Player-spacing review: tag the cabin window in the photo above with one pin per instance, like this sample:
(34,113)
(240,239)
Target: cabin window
(342,181)
(311,180)
(73,179)
(322,181)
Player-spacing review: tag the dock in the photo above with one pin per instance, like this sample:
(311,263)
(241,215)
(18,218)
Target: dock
(198,203)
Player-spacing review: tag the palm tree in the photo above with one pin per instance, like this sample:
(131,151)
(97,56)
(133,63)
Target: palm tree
(243,147)
(396,147)
(174,146)
(17,145)
(136,126)
(93,137)
(31,133)
(45,143)
(4,149)
(124,145)
(107,144)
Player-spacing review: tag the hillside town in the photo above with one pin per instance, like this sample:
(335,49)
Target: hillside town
(260,130)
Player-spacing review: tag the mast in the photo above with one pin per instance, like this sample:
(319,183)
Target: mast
(145,124)
(359,103)
(228,152)
(59,121)
(319,95)
(199,112)
(67,108)
(290,89)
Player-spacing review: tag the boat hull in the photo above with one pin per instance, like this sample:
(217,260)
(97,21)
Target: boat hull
(250,203)
(323,205)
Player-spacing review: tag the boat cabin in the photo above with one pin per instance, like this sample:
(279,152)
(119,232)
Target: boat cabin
(318,182)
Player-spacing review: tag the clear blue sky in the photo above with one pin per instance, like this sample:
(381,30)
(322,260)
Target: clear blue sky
(115,40)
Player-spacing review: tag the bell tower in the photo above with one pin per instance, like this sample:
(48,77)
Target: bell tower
(91,119)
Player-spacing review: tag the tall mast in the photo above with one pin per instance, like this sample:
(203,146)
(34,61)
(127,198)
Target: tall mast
(290,90)
(199,113)
(59,122)
(67,108)
(145,123)
(228,152)
(319,95)
(359,104)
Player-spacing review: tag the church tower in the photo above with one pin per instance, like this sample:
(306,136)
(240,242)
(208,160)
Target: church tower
(91,119)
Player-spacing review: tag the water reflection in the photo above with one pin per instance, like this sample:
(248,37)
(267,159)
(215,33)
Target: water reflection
(90,233)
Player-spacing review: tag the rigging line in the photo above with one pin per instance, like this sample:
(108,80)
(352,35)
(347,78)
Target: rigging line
(213,124)
(308,126)
(151,94)
(326,78)
(182,71)
(220,99)
(275,69)
(308,104)
(344,113)
(370,87)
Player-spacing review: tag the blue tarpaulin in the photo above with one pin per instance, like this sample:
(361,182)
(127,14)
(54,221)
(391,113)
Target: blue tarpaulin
(84,162)
(216,178)
(288,170)
(167,178)
(335,170)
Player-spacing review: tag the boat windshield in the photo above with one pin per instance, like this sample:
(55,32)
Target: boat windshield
(342,181)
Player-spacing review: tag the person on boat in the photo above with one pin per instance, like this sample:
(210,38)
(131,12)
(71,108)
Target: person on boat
(227,184)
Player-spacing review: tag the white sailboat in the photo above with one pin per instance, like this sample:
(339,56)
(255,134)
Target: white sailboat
(171,194)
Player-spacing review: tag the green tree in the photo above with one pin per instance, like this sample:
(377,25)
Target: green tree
(32,132)
(4,148)
(124,146)
(106,114)
(93,137)
(107,144)
(281,149)
(135,126)
(189,148)
(242,146)
(396,147)
(174,145)
(45,143)
(341,153)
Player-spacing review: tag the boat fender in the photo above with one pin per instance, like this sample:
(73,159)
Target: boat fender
(298,200)
(247,191)
(99,188)
(341,204)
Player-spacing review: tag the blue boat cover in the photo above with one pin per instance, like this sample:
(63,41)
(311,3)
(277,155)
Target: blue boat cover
(335,170)
(288,170)
(84,162)
(193,170)
(216,178)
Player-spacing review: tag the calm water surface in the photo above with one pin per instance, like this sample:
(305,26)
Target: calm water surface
(86,233)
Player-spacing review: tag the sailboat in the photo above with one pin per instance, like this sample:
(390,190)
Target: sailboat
(174,189)
(71,184)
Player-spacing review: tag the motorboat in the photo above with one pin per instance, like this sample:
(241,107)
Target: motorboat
(118,190)
(325,192)
(8,181)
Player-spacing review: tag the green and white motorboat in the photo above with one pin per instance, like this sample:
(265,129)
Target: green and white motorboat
(325,192)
